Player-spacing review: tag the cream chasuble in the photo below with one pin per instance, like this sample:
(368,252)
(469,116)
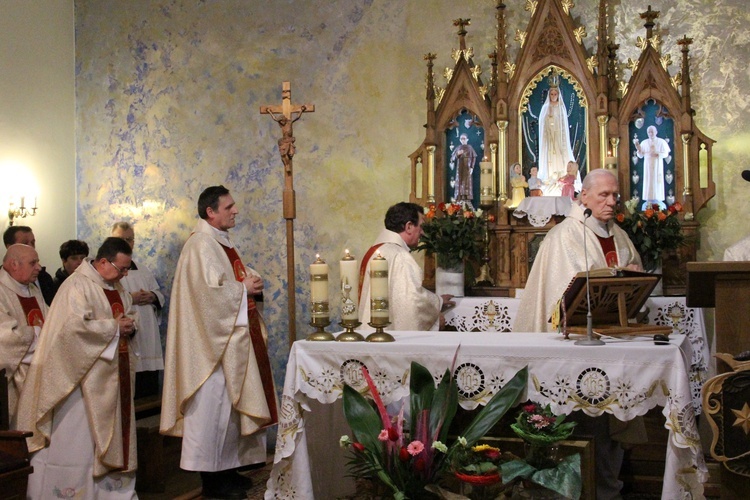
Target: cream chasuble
(412,307)
(560,258)
(18,333)
(206,333)
(78,351)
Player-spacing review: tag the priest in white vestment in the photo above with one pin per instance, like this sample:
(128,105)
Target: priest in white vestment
(22,313)
(77,399)
(218,388)
(411,306)
(560,257)
(147,302)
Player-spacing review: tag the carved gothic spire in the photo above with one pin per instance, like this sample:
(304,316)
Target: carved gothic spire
(649,16)
(685,44)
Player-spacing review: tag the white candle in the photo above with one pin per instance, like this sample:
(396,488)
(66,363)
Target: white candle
(319,287)
(486,191)
(22,202)
(349,271)
(379,289)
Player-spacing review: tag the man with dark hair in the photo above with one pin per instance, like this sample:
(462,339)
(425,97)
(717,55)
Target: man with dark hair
(25,236)
(411,306)
(72,254)
(22,313)
(209,198)
(219,398)
(147,303)
(77,399)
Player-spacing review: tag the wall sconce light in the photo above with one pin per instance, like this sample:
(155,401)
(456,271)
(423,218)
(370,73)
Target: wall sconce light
(21,211)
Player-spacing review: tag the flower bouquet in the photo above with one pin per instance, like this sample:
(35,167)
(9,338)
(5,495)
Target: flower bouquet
(541,430)
(652,231)
(382,451)
(453,233)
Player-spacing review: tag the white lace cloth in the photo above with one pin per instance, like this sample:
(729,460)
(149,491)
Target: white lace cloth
(540,209)
(625,378)
(493,314)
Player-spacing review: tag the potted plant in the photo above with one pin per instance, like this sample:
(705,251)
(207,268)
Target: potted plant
(454,234)
(652,231)
(382,451)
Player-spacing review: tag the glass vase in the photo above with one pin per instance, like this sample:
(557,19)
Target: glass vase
(541,456)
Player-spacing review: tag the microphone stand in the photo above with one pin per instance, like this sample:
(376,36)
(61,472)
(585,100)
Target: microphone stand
(590,340)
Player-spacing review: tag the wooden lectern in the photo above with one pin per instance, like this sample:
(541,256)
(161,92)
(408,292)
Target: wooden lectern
(726,287)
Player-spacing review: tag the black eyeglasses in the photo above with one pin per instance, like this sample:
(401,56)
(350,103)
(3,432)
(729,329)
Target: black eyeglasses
(119,269)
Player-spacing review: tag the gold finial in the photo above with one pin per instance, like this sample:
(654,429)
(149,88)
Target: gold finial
(592,63)
(580,34)
(666,61)
(531,6)
(520,37)
(567,5)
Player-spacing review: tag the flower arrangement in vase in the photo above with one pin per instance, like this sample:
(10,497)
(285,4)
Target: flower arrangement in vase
(652,231)
(381,449)
(453,233)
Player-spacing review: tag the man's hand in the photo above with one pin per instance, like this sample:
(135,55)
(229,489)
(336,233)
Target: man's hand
(127,325)
(634,267)
(253,284)
(143,297)
(447,302)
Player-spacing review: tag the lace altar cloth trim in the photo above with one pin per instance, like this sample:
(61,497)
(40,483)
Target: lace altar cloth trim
(485,314)
(540,209)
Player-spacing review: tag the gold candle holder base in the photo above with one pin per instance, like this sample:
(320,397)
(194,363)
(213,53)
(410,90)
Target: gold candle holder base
(379,335)
(349,334)
(320,335)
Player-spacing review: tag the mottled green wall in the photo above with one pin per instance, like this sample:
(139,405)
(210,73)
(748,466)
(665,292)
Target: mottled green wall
(168,96)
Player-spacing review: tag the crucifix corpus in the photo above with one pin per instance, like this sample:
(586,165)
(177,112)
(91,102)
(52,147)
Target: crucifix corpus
(284,115)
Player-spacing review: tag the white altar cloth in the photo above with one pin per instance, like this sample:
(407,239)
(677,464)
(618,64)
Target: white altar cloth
(495,314)
(625,379)
(540,209)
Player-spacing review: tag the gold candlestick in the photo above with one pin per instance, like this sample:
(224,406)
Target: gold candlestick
(320,323)
(349,334)
(379,335)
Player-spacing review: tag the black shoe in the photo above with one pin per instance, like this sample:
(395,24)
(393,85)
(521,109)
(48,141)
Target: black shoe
(240,480)
(220,485)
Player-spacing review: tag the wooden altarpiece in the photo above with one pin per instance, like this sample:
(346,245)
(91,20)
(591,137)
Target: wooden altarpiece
(607,113)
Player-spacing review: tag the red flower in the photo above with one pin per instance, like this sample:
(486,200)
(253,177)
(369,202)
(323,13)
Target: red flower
(678,206)
(661,216)
(671,209)
(655,206)
(649,212)
(392,434)
(620,218)
(529,408)
(441,207)
(358,447)
(403,454)
(492,454)
(419,464)
(491,218)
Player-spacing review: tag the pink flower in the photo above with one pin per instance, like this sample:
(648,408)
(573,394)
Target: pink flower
(383,436)
(415,448)
(538,421)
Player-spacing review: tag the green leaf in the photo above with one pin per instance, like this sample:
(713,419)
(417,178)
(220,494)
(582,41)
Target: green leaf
(494,410)
(363,419)
(444,407)
(422,388)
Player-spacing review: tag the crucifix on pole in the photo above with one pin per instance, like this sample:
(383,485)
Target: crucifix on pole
(284,115)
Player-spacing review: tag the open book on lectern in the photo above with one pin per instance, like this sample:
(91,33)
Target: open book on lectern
(617,295)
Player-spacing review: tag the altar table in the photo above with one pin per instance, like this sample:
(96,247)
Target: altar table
(626,379)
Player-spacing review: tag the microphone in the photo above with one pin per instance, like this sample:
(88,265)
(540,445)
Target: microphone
(590,340)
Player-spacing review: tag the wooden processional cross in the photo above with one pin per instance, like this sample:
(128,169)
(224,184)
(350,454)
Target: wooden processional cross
(284,115)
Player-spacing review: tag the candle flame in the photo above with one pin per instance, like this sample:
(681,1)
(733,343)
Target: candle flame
(317,255)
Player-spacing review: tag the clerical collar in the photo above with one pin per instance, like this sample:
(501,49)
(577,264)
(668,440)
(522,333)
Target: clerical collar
(222,236)
(20,288)
(601,229)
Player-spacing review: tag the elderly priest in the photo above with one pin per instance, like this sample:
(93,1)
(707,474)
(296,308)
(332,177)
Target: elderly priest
(22,313)
(561,255)
(77,398)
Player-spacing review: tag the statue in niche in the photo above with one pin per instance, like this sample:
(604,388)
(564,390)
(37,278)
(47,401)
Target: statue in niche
(518,184)
(464,138)
(555,135)
(652,154)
